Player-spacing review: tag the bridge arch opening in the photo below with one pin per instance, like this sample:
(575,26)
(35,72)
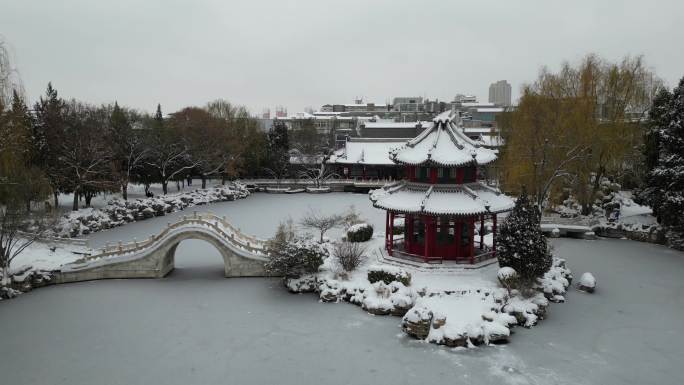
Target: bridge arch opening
(194,258)
(193,254)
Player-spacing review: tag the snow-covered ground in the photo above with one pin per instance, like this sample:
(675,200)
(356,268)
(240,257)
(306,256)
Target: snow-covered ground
(42,255)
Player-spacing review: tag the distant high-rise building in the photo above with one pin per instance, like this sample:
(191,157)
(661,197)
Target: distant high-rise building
(266,113)
(500,93)
(460,98)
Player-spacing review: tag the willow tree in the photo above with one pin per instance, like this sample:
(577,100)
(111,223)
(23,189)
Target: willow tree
(573,127)
(20,182)
(9,76)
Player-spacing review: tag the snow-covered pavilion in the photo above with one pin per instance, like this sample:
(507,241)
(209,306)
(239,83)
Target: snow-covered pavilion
(441,198)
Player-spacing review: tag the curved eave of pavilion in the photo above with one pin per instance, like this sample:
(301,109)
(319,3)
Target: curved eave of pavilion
(430,162)
(448,200)
(443,144)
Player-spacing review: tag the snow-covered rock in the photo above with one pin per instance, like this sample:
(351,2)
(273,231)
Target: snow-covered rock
(587,283)
(458,319)
(303,284)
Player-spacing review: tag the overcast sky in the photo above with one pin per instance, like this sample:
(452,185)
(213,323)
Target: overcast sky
(311,52)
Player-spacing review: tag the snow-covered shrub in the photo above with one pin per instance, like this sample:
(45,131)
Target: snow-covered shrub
(304,284)
(316,220)
(388,274)
(360,232)
(296,257)
(521,244)
(118,212)
(349,255)
(8,292)
(555,282)
(350,217)
(284,233)
(508,277)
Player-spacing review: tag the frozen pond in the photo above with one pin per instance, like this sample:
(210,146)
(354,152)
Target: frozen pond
(258,214)
(197,327)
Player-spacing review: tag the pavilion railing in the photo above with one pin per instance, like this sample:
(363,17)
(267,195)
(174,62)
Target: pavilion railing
(479,254)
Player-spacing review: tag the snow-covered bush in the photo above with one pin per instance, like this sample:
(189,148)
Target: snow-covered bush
(555,282)
(296,257)
(388,274)
(521,244)
(360,232)
(316,220)
(508,277)
(118,212)
(348,255)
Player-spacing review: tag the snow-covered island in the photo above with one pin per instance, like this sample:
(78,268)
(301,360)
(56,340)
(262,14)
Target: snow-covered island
(447,306)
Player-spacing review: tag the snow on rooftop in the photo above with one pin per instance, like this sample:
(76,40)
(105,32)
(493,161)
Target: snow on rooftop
(469,199)
(393,124)
(367,151)
(478,104)
(492,109)
(443,144)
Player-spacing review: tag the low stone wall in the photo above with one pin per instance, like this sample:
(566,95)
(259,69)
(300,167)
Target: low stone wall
(656,236)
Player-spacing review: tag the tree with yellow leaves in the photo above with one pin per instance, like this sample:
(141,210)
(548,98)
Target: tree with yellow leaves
(577,126)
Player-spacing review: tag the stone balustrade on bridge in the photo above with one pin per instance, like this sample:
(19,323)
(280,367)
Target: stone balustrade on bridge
(153,257)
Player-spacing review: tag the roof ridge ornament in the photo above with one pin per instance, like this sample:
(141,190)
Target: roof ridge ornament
(425,198)
(469,191)
(434,143)
(453,138)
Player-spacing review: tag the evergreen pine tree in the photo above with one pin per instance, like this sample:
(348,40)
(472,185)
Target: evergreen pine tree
(158,117)
(520,243)
(278,150)
(666,180)
(21,119)
(48,136)
(119,121)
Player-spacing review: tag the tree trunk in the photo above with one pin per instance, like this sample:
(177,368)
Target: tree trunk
(88,198)
(204,181)
(124,190)
(178,185)
(28,205)
(165,187)
(74,207)
(223,180)
(56,195)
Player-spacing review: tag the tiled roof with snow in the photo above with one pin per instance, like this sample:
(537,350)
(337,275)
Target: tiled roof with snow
(366,151)
(396,124)
(443,144)
(458,200)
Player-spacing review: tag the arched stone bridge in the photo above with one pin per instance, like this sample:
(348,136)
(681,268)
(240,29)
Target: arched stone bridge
(243,255)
